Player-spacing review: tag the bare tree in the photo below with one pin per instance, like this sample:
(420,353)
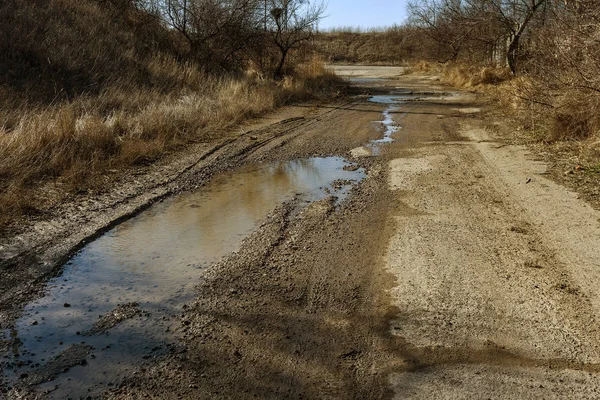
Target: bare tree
(291,23)
(215,30)
(500,24)
(515,16)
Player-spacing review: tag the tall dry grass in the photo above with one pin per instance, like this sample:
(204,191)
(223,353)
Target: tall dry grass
(565,118)
(87,86)
(77,141)
(466,76)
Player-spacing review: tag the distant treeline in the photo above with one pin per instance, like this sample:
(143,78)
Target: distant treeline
(395,45)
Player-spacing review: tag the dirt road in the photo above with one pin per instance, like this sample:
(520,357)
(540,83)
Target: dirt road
(455,269)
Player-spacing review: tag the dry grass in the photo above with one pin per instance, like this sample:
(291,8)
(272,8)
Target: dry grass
(463,76)
(564,120)
(76,141)
(575,118)
(131,93)
(423,66)
(559,115)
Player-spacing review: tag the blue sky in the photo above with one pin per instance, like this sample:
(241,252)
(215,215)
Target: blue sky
(366,13)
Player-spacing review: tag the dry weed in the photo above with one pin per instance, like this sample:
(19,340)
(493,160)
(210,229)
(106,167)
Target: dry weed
(460,75)
(74,142)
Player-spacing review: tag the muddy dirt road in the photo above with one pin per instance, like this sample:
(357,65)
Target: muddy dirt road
(414,253)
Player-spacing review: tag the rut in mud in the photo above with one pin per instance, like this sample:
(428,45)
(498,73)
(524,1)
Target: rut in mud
(151,264)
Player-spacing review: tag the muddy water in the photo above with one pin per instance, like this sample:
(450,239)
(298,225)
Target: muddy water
(394,100)
(153,260)
(389,125)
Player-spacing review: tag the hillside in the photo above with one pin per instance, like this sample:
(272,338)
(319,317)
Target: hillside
(59,49)
(92,85)
(385,47)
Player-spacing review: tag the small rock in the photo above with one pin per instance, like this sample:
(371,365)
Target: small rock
(34,323)
(66,305)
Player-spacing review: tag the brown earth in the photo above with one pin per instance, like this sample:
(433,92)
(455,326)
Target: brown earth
(456,269)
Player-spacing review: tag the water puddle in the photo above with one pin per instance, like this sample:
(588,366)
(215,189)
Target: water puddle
(398,97)
(388,124)
(387,99)
(116,302)
(393,100)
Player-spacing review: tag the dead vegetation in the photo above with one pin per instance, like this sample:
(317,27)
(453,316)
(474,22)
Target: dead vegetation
(391,46)
(544,53)
(96,85)
(461,75)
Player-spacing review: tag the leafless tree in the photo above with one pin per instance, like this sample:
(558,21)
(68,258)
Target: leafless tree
(290,23)
(215,30)
(442,21)
(516,16)
(455,23)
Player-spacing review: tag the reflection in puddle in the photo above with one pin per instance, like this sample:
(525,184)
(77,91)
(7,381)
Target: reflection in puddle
(154,259)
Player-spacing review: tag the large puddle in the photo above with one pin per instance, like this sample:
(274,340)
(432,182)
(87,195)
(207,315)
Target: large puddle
(154,260)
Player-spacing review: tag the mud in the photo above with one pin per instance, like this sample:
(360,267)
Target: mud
(154,260)
(114,317)
(289,315)
(455,269)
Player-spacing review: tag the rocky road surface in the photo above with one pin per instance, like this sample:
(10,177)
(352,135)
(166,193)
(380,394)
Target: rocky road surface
(456,270)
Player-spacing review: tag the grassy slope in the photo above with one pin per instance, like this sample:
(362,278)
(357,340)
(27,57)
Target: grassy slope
(85,87)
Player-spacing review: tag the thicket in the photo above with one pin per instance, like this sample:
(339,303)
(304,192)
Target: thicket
(92,85)
(548,50)
(395,45)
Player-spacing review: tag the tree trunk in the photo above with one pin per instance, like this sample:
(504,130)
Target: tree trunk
(512,52)
(279,70)
(499,53)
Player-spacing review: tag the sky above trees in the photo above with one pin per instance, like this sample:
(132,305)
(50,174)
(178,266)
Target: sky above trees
(363,13)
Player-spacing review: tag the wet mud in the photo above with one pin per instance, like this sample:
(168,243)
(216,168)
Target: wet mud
(148,267)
